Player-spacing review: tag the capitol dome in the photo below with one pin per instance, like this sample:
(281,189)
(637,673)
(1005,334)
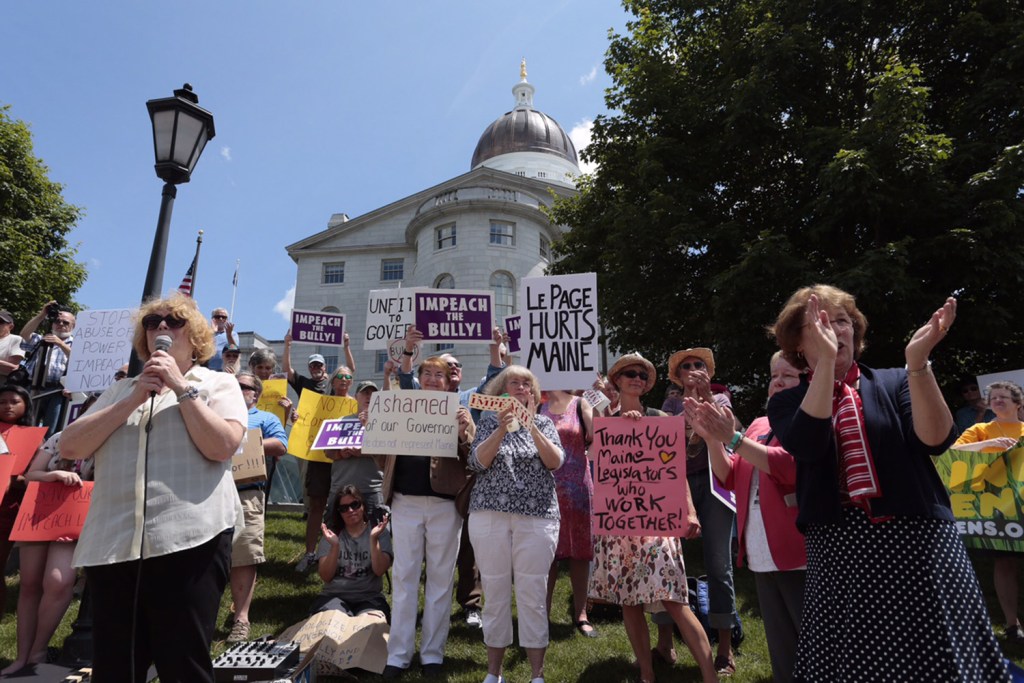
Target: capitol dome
(527,142)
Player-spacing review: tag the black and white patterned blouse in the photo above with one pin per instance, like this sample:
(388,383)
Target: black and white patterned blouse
(517,481)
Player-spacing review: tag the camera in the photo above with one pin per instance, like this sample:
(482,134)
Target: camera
(52,311)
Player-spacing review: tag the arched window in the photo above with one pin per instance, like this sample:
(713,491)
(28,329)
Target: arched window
(444,281)
(504,286)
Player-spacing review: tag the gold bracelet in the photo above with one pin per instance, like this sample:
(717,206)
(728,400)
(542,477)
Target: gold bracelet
(926,370)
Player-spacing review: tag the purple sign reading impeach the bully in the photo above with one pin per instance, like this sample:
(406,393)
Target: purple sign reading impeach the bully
(514,330)
(317,327)
(453,316)
(344,433)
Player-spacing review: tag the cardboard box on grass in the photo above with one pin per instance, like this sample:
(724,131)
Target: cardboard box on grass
(342,642)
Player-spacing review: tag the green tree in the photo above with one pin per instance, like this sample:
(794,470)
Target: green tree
(36,262)
(756,146)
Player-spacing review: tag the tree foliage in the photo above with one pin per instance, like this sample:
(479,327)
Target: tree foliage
(756,146)
(36,262)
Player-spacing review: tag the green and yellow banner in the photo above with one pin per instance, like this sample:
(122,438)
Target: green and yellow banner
(986,491)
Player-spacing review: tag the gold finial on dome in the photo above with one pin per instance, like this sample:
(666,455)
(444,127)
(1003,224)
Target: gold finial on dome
(522,69)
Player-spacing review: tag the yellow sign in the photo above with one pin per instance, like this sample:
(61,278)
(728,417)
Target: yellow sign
(273,391)
(313,409)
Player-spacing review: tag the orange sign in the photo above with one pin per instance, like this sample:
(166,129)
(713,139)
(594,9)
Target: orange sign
(52,511)
(23,443)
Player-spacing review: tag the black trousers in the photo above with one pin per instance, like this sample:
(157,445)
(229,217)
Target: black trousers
(177,613)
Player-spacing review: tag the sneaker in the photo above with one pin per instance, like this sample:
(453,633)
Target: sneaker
(239,632)
(473,619)
(491,678)
(307,562)
(391,672)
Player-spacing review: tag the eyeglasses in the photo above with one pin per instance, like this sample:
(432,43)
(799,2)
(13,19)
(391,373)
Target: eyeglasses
(120,375)
(454,364)
(61,321)
(340,376)
(246,387)
(348,507)
(633,374)
(695,365)
(220,317)
(152,321)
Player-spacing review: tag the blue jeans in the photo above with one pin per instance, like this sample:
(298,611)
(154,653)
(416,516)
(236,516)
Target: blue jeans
(716,525)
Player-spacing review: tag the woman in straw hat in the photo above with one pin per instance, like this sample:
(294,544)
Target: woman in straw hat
(633,571)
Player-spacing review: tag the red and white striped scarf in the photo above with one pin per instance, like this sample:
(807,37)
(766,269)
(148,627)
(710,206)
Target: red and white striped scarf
(858,479)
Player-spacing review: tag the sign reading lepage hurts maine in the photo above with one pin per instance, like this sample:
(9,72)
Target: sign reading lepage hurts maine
(639,476)
(451,316)
(559,329)
(317,327)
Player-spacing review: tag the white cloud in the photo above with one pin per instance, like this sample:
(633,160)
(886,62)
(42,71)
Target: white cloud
(589,77)
(580,136)
(225,152)
(95,262)
(286,304)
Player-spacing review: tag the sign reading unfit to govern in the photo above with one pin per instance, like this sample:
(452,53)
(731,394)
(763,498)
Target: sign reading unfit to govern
(639,476)
(388,313)
(452,316)
(317,327)
(103,343)
(412,422)
(559,329)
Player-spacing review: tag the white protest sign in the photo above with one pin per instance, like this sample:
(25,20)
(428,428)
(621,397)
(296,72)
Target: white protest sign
(412,422)
(560,329)
(485,403)
(1015,376)
(388,313)
(102,344)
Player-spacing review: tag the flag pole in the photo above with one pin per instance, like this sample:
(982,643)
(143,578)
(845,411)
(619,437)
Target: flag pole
(234,289)
(195,271)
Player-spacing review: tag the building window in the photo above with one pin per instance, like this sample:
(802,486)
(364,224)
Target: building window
(545,248)
(333,274)
(445,236)
(503,233)
(378,362)
(443,347)
(392,269)
(504,286)
(330,360)
(444,281)
(330,309)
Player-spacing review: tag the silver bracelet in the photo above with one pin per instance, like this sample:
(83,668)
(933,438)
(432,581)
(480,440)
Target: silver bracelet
(189,394)
(926,370)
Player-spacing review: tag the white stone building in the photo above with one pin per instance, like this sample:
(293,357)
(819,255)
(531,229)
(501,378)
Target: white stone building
(484,229)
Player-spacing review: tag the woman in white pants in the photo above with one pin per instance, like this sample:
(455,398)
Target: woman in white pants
(513,521)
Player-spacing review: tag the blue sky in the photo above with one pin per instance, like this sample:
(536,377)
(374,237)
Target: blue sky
(320,108)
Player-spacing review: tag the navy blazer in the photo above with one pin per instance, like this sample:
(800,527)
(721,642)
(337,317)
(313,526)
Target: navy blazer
(910,485)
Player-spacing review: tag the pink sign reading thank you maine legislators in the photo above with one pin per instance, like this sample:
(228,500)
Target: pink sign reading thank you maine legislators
(640,476)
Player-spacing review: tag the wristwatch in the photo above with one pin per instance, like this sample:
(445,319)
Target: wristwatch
(191,393)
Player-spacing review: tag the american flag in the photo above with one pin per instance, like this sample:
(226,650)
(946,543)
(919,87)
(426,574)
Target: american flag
(186,282)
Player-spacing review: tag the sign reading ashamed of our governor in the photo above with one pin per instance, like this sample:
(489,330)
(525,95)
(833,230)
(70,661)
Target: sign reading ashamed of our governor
(452,316)
(103,343)
(986,492)
(318,327)
(559,329)
(412,422)
(388,313)
(639,476)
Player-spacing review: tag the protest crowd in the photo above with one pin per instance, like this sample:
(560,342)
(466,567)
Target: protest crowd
(480,489)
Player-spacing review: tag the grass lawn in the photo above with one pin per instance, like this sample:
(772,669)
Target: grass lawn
(283,597)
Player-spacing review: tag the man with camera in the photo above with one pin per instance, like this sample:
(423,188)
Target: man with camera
(52,351)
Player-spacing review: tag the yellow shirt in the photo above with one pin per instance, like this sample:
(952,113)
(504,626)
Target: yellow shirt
(991,430)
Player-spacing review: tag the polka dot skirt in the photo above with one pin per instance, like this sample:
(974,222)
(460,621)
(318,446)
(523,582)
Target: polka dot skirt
(896,601)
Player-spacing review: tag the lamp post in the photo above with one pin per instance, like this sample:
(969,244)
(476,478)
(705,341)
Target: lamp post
(181,129)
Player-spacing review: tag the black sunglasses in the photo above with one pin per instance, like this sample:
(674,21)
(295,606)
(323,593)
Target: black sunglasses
(345,507)
(454,364)
(246,387)
(695,365)
(152,321)
(120,375)
(220,317)
(633,374)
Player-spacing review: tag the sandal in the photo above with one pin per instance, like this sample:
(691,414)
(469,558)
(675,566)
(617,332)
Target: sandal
(583,623)
(669,659)
(725,665)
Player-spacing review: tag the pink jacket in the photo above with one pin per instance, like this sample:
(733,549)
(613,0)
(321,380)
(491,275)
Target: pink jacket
(778,500)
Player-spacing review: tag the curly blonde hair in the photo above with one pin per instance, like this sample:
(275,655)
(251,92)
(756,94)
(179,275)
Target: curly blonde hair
(180,306)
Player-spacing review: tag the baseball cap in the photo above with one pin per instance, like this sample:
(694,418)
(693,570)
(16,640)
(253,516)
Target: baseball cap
(366,384)
(6,317)
(316,358)
(233,348)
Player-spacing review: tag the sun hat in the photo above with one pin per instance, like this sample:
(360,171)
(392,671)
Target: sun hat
(633,358)
(701,352)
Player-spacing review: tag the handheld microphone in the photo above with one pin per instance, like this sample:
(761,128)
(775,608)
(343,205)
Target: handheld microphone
(162,343)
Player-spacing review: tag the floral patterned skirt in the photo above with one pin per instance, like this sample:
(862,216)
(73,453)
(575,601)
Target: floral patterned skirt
(638,570)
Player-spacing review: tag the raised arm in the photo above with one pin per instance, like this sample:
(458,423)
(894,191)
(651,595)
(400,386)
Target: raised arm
(932,419)
(349,360)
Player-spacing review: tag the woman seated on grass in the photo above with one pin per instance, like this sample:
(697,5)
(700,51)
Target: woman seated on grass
(353,557)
